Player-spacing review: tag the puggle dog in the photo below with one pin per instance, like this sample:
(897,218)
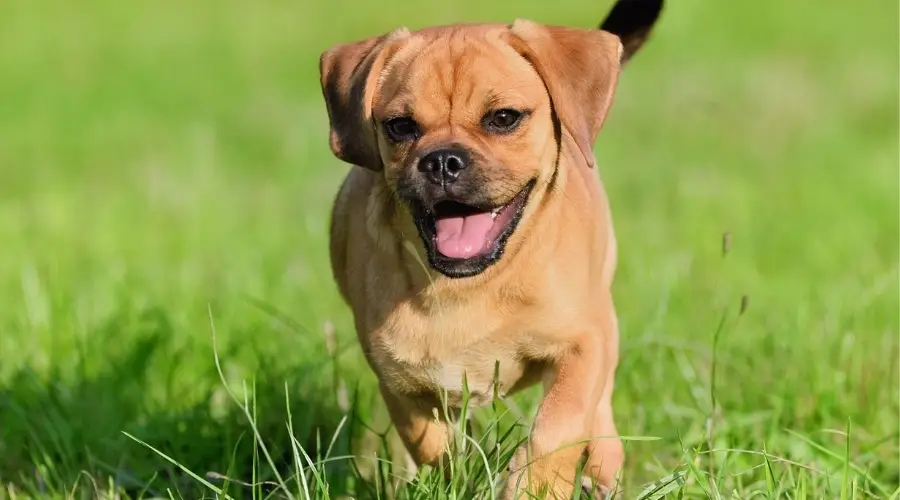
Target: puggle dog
(473,234)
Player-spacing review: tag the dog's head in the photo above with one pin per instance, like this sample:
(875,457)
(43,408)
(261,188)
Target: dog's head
(466,123)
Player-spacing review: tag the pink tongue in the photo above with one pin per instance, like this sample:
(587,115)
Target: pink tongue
(463,237)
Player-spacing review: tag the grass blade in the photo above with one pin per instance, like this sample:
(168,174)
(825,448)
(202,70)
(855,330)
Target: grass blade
(174,462)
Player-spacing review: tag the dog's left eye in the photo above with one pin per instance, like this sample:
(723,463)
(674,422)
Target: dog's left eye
(502,120)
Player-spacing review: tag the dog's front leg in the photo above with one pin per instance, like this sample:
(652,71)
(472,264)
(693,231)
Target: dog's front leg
(424,432)
(562,428)
(606,453)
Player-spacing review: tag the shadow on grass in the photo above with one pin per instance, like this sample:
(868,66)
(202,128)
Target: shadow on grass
(64,430)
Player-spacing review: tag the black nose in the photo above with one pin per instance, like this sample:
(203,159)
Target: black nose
(443,166)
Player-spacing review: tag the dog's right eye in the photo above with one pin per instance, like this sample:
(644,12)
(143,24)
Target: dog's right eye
(502,120)
(402,129)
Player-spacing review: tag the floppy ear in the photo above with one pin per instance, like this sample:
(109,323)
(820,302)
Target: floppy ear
(349,75)
(580,69)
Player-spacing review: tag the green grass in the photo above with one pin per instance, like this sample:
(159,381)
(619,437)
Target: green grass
(164,174)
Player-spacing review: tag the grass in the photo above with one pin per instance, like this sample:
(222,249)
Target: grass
(165,175)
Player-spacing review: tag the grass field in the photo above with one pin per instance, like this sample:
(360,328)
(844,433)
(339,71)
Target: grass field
(165,175)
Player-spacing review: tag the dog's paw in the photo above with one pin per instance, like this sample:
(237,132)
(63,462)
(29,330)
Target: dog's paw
(518,461)
(593,491)
(533,479)
(515,474)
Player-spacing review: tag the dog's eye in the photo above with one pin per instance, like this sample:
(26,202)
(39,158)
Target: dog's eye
(401,129)
(502,120)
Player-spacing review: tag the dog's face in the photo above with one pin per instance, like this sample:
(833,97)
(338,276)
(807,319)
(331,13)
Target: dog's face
(466,123)
(465,133)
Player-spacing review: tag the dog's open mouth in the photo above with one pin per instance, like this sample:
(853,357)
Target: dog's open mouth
(463,240)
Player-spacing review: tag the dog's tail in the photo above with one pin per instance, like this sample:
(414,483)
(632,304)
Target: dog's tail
(632,21)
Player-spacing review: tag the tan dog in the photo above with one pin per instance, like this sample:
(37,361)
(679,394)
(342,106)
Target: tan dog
(473,229)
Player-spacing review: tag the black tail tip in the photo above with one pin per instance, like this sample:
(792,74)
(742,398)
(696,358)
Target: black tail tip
(632,21)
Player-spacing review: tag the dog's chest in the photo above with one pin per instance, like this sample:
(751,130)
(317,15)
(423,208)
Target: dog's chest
(482,374)
(437,364)
(440,349)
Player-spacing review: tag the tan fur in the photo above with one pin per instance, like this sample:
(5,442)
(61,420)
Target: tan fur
(544,310)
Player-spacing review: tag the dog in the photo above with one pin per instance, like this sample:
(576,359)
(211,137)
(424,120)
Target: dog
(472,236)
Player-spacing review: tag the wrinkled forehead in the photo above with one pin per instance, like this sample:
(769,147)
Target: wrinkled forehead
(466,69)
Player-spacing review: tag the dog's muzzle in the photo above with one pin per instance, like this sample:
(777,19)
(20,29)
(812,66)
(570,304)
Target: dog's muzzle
(462,240)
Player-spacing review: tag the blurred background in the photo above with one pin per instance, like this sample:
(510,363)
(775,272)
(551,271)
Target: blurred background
(165,174)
